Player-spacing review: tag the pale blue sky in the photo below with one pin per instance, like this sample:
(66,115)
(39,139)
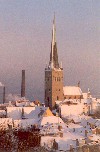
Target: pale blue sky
(25,37)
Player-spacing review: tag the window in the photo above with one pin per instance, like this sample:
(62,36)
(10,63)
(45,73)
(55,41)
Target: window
(48,98)
(57,98)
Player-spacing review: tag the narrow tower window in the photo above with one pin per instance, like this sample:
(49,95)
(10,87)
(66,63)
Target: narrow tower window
(57,98)
(48,101)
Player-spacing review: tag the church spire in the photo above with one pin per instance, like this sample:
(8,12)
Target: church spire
(54,55)
(54,31)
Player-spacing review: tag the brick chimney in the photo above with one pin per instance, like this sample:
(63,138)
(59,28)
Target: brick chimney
(23,84)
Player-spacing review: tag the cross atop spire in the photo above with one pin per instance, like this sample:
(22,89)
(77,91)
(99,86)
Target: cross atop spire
(54,55)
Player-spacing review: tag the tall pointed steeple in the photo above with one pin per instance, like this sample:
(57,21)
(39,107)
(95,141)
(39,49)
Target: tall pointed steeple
(53,75)
(54,32)
(54,55)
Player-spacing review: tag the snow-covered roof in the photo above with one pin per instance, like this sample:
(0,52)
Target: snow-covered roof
(87,101)
(32,104)
(97,123)
(24,123)
(72,125)
(76,118)
(71,110)
(2,112)
(95,138)
(50,120)
(91,120)
(72,90)
(14,112)
(4,104)
(28,112)
(63,143)
(22,103)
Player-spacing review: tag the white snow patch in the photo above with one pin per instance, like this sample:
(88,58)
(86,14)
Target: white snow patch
(72,90)
(51,120)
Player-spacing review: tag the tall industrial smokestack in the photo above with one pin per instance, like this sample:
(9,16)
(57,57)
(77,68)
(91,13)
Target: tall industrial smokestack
(3,94)
(23,84)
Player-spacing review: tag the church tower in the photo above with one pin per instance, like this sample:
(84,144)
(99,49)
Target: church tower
(53,75)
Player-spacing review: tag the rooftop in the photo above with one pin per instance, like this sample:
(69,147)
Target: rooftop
(72,90)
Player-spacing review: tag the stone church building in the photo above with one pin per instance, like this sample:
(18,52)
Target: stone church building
(54,89)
